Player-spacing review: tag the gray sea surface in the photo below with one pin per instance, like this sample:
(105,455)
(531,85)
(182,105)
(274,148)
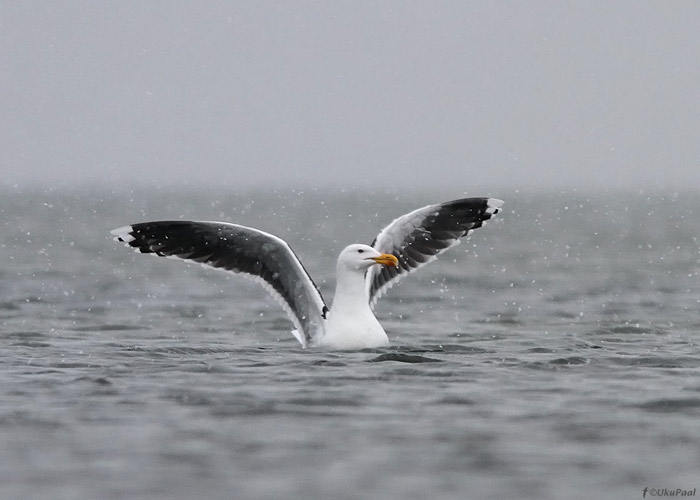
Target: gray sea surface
(552,355)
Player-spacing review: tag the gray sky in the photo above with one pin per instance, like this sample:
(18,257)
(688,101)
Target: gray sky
(473,94)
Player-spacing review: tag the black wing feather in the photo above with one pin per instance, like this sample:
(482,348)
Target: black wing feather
(238,249)
(419,237)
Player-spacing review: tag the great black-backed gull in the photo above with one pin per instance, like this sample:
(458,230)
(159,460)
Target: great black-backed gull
(363,272)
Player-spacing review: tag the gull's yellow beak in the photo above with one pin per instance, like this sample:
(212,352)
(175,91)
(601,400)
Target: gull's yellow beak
(387,259)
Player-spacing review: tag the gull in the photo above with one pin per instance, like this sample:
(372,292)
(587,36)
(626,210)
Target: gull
(363,272)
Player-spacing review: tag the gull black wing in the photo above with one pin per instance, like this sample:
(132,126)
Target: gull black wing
(242,250)
(419,237)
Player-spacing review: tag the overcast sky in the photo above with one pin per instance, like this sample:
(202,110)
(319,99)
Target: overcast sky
(474,94)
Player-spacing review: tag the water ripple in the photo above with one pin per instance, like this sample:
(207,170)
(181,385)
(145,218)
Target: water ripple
(672,405)
(403,358)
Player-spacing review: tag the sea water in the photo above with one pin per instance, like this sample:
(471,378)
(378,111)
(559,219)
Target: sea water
(554,354)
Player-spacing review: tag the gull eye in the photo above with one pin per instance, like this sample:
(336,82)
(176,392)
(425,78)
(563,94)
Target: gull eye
(359,250)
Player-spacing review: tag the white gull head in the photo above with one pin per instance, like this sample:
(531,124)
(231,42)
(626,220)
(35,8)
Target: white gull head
(359,257)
